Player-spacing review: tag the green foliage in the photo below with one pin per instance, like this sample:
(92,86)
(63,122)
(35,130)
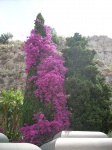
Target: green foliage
(110,134)
(58,40)
(39,25)
(55,38)
(10,112)
(5,37)
(30,106)
(88,94)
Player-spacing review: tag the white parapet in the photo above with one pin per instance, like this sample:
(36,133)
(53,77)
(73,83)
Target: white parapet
(3,138)
(18,146)
(79,144)
(80,134)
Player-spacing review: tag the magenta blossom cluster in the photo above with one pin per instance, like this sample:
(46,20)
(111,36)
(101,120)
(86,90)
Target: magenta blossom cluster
(38,20)
(43,130)
(42,54)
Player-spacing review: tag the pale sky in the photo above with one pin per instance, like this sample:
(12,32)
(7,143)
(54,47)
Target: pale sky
(87,17)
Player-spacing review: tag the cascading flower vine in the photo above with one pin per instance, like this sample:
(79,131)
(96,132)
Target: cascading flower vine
(44,87)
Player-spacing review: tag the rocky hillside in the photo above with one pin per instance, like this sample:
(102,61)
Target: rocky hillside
(12,66)
(103,46)
(12,61)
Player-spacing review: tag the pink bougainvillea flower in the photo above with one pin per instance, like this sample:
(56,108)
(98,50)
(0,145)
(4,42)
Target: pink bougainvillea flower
(38,20)
(49,87)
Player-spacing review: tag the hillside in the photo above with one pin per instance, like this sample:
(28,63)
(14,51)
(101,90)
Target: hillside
(12,69)
(103,46)
(12,61)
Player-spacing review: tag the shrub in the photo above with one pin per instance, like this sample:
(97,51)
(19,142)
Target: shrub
(88,94)
(10,110)
(4,38)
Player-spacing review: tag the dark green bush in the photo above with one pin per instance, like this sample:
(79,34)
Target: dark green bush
(4,38)
(88,94)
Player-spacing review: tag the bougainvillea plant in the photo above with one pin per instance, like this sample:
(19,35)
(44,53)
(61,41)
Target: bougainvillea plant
(44,105)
